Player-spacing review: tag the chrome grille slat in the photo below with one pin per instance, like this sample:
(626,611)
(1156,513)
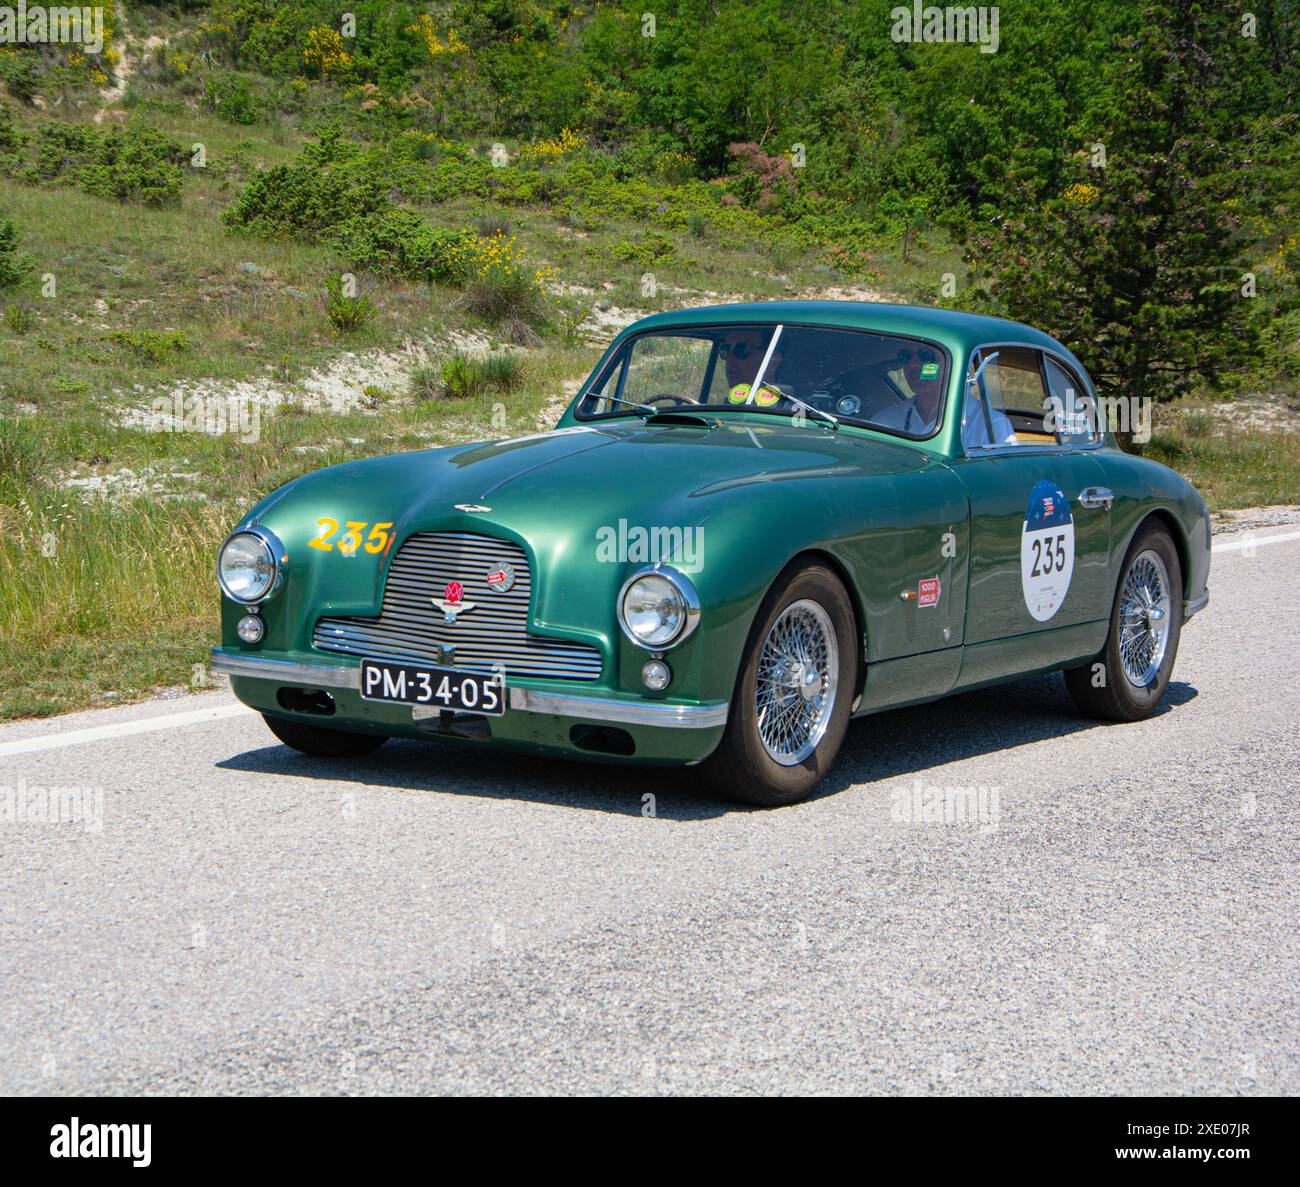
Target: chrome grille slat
(410,627)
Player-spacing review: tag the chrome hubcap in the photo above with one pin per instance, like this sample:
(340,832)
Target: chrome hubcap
(798,674)
(1144,610)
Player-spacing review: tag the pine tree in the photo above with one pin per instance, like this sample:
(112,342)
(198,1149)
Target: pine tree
(1136,263)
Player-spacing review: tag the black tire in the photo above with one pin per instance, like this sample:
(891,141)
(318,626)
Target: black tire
(741,768)
(1101,688)
(320,742)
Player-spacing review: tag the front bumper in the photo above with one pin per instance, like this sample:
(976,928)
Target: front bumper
(538,718)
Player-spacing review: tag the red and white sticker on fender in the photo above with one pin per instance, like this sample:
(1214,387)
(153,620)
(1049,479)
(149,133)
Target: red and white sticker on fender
(927,591)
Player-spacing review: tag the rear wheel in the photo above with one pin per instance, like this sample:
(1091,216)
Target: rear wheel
(793,695)
(1129,678)
(321,742)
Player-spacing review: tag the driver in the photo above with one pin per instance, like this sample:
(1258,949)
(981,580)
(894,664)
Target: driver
(922,376)
(742,353)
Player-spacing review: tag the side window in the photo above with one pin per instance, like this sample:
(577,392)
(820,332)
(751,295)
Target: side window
(1071,411)
(1006,407)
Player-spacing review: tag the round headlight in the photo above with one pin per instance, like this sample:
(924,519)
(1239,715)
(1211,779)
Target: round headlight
(658,609)
(246,567)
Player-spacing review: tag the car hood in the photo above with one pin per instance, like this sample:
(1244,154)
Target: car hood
(621,469)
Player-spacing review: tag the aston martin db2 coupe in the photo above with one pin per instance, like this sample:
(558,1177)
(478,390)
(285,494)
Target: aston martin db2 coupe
(753,523)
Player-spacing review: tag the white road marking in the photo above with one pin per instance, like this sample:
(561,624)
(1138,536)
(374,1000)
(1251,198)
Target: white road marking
(142,726)
(147,725)
(1254,542)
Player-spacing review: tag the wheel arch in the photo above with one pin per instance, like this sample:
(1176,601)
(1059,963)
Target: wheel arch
(832,562)
(1169,522)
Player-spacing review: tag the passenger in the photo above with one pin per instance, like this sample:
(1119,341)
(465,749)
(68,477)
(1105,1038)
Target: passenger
(922,376)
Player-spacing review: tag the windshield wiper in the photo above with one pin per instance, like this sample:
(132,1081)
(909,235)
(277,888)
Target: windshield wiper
(630,403)
(835,420)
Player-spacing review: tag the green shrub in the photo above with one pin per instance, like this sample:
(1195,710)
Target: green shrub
(151,346)
(654,248)
(139,164)
(346,313)
(19,74)
(460,377)
(503,370)
(12,137)
(401,242)
(426,383)
(329,183)
(458,176)
(231,98)
(14,266)
(18,319)
(465,375)
(573,314)
(62,148)
(499,287)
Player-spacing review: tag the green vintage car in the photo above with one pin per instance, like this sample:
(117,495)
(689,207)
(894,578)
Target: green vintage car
(753,523)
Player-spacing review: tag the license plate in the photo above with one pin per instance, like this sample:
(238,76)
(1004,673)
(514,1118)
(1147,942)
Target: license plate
(438,688)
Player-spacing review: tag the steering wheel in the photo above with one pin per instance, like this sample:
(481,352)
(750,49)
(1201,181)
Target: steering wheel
(667,397)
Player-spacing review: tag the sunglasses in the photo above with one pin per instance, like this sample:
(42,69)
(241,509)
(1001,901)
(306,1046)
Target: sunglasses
(922,355)
(738,350)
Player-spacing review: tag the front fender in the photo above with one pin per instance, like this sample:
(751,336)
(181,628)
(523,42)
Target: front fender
(1144,487)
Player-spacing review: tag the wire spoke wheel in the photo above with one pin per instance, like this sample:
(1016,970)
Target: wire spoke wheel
(1144,616)
(798,678)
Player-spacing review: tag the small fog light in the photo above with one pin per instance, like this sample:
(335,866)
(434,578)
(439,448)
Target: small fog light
(655,675)
(251,629)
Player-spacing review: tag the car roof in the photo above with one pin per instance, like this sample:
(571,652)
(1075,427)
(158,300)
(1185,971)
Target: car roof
(960,332)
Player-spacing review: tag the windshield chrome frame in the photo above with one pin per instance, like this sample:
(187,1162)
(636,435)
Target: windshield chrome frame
(618,359)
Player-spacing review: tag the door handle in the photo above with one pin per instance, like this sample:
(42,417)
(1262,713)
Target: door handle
(1096,496)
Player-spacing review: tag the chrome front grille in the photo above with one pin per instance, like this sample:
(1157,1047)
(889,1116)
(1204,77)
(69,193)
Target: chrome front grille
(411,628)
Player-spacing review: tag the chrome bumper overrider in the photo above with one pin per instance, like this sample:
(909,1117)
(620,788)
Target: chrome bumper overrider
(524,700)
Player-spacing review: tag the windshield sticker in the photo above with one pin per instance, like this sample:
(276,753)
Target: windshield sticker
(764,398)
(929,370)
(1046,551)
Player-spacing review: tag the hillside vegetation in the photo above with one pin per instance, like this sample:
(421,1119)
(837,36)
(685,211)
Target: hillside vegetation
(250,239)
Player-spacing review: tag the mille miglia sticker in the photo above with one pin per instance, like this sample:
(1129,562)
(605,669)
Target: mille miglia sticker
(1046,551)
(927,592)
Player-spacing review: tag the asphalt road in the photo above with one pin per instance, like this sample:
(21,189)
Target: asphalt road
(1123,918)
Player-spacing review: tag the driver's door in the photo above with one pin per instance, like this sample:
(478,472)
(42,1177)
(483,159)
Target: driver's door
(1040,517)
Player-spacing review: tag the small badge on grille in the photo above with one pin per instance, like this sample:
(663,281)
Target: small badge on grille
(501,577)
(452,603)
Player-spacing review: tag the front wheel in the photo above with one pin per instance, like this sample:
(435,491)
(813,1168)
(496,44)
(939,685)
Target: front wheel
(793,694)
(1129,678)
(320,742)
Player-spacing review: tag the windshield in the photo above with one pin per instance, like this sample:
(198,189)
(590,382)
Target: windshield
(875,380)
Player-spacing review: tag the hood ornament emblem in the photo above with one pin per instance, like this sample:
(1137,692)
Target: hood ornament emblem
(452,603)
(472,508)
